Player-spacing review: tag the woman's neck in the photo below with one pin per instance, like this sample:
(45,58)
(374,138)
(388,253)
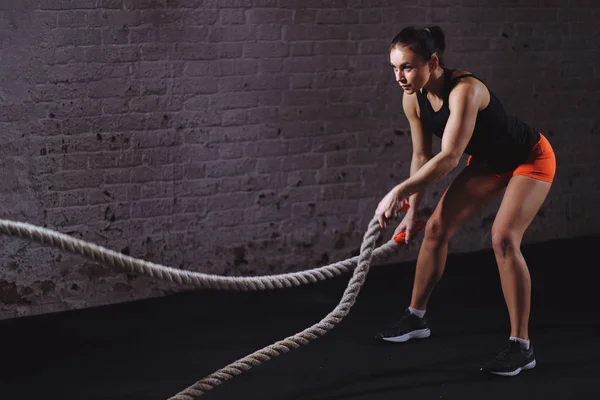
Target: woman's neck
(435,84)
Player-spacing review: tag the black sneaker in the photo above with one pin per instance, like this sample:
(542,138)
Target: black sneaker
(511,360)
(409,327)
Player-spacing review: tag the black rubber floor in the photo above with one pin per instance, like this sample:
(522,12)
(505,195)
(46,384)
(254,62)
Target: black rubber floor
(155,348)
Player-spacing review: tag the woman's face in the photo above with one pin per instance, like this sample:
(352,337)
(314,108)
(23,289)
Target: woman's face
(410,70)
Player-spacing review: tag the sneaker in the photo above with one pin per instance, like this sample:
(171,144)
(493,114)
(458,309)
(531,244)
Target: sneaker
(512,360)
(408,327)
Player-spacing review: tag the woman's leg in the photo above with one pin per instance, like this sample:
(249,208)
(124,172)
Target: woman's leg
(523,198)
(473,189)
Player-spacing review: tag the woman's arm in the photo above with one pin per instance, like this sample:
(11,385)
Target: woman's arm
(466,99)
(422,145)
(464,102)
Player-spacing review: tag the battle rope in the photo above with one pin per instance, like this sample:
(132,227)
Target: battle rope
(115,259)
(197,279)
(304,337)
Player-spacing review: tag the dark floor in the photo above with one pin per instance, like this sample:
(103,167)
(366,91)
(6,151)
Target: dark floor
(153,349)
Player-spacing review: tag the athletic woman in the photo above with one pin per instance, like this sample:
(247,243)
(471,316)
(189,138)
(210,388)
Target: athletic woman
(506,157)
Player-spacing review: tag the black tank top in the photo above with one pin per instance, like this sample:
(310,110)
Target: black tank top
(500,140)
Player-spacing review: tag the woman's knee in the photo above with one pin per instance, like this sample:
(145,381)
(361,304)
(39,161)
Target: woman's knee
(435,230)
(505,242)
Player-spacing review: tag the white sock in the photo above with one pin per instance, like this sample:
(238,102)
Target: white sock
(418,313)
(523,342)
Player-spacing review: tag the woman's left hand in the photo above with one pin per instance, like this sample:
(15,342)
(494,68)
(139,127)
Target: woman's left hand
(390,206)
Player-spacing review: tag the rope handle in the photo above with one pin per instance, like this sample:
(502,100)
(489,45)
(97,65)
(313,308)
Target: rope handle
(400,238)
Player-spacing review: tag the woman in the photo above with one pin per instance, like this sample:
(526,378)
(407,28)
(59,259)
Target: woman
(505,155)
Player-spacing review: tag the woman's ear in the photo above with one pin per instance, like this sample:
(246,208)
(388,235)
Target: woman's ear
(434,62)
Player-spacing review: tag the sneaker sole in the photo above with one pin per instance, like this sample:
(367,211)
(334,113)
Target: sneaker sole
(418,334)
(516,371)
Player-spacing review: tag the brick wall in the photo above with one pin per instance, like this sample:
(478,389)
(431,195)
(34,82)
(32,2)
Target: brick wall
(253,137)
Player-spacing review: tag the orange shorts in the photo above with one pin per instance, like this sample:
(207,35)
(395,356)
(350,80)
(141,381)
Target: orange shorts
(541,164)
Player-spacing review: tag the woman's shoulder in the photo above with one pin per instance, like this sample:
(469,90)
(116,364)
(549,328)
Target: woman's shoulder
(410,103)
(456,73)
(471,85)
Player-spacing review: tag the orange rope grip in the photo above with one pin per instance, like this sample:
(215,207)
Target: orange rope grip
(400,238)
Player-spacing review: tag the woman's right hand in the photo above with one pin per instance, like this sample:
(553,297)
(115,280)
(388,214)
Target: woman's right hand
(407,225)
